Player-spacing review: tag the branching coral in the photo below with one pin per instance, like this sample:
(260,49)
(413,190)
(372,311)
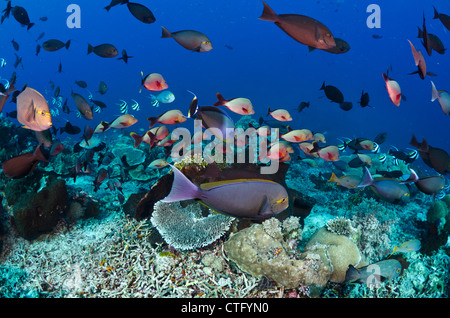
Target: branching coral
(341,226)
(183,229)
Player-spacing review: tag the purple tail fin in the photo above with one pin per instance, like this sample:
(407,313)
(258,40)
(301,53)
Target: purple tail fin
(182,188)
(366,180)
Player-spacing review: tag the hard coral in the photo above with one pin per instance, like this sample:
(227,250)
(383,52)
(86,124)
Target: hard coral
(340,249)
(261,251)
(183,229)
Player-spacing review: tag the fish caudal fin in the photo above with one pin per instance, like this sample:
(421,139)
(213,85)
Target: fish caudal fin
(90,49)
(220,100)
(268,14)
(366,180)
(333,178)
(434,92)
(67,45)
(137,139)
(165,33)
(39,155)
(182,188)
(436,14)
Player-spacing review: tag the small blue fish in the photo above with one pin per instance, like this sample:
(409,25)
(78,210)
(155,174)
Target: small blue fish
(2,62)
(165,97)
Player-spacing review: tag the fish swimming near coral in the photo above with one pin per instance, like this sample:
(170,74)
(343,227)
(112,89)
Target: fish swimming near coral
(375,273)
(436,158)
(244,198)
(390,190)
(22,165)
(409,246)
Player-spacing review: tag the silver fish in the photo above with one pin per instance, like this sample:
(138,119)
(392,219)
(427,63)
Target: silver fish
(2,62)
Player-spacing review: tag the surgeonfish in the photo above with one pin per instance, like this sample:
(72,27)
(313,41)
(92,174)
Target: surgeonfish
(409,246)
(244,198)
(388,189)
(445,19)
(348,181)
(443,98)
(189,39)
(303,29)
(83,106)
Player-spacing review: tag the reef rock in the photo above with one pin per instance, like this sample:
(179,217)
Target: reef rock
(39,212)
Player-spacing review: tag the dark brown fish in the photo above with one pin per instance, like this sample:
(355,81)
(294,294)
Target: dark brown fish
(21,15)
(303,29)
(445,19)
(141,12)
(124,56)
(426,38)
(102,88)
(341,47)
(54,45)
(114,3)
(83,106)
(22,165)
(435,42)
(333,93)
(436,158)
(103,50)
(15,45)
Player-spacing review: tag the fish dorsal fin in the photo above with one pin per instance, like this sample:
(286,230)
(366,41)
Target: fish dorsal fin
(216,184)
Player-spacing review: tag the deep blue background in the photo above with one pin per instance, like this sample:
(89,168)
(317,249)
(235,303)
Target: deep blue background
(265,65)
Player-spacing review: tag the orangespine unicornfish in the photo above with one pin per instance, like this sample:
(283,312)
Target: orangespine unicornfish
(243,198)
(303,29)
(445,19)
(436,43)
(332,93)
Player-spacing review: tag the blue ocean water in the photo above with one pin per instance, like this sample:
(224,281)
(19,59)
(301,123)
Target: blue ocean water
(250,58)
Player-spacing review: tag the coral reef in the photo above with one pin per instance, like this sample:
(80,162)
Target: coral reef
(185,228)
(39,212)
(264,250)
(340,250)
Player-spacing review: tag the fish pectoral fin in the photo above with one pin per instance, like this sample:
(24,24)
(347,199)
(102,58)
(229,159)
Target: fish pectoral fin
(264,209)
